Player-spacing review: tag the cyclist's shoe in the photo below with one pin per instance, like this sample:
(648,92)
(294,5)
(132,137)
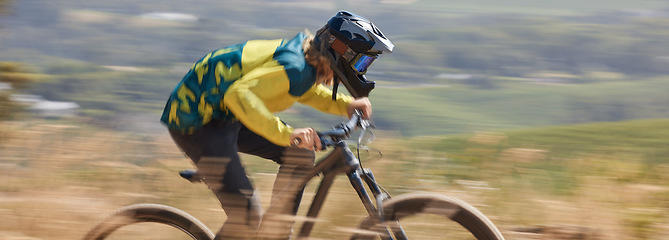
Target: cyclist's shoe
(191,175)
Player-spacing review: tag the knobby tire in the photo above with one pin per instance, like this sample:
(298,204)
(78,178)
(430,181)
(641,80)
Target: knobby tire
(156,213)
(426,203)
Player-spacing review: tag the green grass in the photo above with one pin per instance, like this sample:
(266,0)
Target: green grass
(455,108)
(514,105)
(649,135)
(631,152)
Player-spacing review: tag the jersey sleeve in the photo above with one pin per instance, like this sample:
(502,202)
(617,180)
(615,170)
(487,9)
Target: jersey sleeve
(243,100)
(320,98)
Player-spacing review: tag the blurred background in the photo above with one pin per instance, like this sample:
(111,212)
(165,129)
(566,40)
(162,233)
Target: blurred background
(551,117)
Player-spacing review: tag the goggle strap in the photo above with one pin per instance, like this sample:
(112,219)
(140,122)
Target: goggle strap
(337,45)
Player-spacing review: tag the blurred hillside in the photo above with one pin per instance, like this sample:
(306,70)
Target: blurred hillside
(458,66)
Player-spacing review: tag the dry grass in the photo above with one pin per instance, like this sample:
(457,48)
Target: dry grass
(58,180)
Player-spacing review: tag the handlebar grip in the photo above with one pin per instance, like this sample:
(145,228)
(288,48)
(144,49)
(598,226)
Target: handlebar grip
(324,142)
(296,141)
(330,137)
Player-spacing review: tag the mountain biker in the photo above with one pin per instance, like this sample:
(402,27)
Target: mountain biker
(225,105)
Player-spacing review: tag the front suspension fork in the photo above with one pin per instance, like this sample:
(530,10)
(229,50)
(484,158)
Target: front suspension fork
(375,210)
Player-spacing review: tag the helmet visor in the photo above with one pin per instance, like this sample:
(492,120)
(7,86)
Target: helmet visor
(362,62)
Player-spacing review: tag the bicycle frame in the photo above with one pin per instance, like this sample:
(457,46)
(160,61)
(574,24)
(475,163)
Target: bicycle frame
(382,218)
(341,161)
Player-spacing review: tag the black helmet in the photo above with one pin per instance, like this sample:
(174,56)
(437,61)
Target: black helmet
(353,43)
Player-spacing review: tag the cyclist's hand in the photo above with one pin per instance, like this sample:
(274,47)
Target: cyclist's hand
(362,104)
(305,138)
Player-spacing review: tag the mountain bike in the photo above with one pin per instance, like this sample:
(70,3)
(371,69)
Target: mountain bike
(385,216)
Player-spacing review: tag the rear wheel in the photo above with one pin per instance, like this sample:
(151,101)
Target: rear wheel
(153,213)
(429,216)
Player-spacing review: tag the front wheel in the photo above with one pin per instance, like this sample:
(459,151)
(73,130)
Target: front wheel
(155,213)
(428,216)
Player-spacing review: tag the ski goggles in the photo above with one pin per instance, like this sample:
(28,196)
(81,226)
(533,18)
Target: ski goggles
(361,62)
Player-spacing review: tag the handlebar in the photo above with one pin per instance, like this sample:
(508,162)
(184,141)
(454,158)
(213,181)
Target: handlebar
(343,130)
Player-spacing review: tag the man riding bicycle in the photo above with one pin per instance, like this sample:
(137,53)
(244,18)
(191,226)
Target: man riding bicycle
(225,105)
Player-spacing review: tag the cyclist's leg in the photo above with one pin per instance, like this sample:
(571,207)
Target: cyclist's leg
(213,148)
(295,164)
(294,161)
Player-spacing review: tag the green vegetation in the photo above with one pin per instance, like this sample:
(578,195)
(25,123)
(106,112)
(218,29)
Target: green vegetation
(518,66)
(456,108)
(106,94)
(13,78)
(630,151)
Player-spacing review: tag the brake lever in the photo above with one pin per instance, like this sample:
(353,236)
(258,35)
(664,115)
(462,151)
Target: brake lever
(365,124)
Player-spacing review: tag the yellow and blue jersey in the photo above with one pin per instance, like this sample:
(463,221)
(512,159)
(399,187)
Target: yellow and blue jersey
(249,82)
